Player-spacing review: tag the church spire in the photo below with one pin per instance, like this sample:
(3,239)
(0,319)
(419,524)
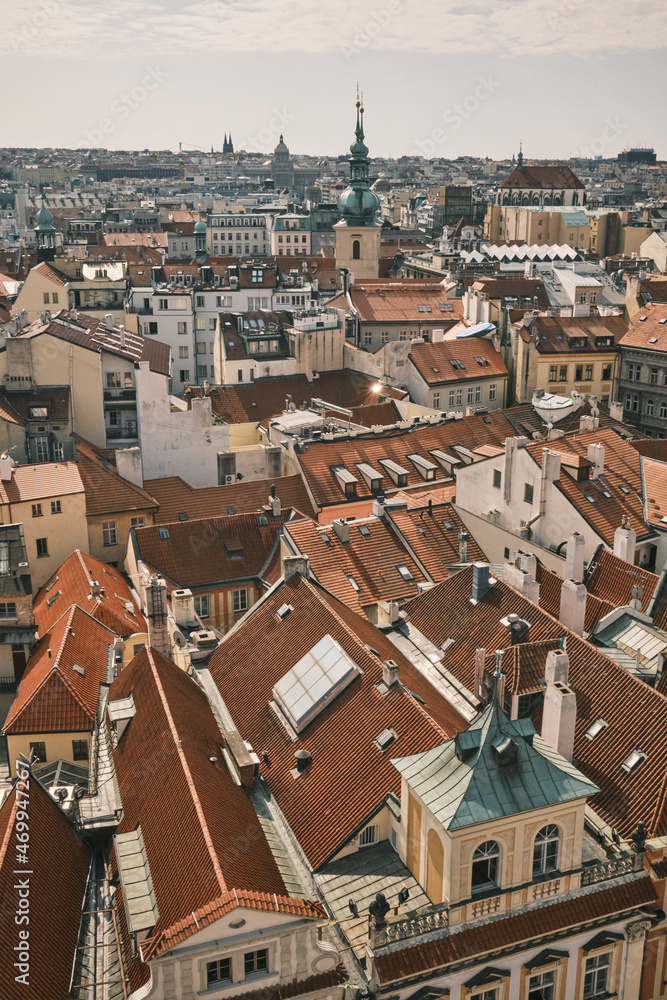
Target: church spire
(519,162)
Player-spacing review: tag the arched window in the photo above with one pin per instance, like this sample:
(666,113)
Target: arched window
(356,250)
(486,866)
(545,852)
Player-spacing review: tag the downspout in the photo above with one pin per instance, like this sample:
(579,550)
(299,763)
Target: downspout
(543,491)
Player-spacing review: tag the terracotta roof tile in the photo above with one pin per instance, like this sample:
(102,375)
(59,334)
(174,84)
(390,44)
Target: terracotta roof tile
(531,177)
(106,491)
(348,776)
(655,487)
(72,580)
(611,580)
(53,697)
(435,362)
(16,406)
(435,545)
(394,303)
(648,329)
(175,496)
(41,481)
(62,861)
(535,922)
(552,332)
(322,981)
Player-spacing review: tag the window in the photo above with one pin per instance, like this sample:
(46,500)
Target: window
(58,452)
(596,976)
(459,397)
(528,492)
(109,532)
(38,753)
(219,971)
(137,522)
(492,391)
(183,352)
(485,864)
(470,393)
(663,410)
(589,373)
(7,609)
(478,394)
(42,547)
(203,605)
(79,749)
(452,397)
(184,375)
(182,328)
(542,986)
(202,371)
(56,507)
(200,302)
(405,573)
(37,510)
(46,298)
(368,836)
(553,373)
(545,851)
(163,303)
(240,600)
(256,961)
(606,373)
(128,380)
(562,375)
(497,478)
(150,327)
(115,418)
(436,400)
(113,380)
(384,337)
(356,250)
(579,373)
(201,347)
(649,407)
(653,376)
(39,412)
(634,373)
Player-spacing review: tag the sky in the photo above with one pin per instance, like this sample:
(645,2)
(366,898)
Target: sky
(439,77)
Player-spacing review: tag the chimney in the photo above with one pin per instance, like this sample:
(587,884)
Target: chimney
(94,588)
(128,465)
(303,759)
(557,667)
(637,594)
(275,505)
(156,612)
(207,387)
(390,673)
(121,335)
(481,583)
(616,412)
(295,566)
(574,557)
(463,546)
(559,717)
(572,611)
(625,541)
(521,575)
(480,659)
(342,529)
(596,456)
(108,321)
(183,607)
(6,467)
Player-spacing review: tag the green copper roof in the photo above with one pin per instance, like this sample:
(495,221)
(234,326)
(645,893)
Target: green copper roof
(494,768)
(358,204)
(44,219)
(200,227)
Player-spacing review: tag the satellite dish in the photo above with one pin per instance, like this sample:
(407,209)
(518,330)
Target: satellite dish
(180,639)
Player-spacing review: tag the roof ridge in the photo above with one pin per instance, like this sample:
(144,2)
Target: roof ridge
(188,774)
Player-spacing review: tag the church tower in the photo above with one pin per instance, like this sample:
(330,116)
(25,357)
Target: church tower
(358,230)
(45,234)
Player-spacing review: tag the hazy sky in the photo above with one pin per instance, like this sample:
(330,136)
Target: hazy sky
(445,77)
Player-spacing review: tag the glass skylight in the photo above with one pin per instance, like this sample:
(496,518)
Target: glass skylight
(314,682)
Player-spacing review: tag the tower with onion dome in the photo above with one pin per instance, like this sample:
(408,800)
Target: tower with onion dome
(358,229)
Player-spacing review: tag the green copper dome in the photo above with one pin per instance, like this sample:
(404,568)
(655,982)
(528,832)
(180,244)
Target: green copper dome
(281,147)
(358,205)
(200,227)
(44,220)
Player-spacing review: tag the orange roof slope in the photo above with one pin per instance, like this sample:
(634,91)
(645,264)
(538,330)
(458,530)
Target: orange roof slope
(648,328)
(175,496)
(71,584)
(432,533)
(349,776)
(210,550)
(655,488)
(40,482)
(53,697)
(636,714)
(106,491)
(548,178)
(435,362)
(204,844)
(394,303)
(371,560)
(60,862)
(611,579)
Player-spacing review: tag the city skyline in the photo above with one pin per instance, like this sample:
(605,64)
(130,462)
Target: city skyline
(460,80)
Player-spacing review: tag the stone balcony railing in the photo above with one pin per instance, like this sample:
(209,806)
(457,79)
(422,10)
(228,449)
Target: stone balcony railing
(412,925)
(613,868)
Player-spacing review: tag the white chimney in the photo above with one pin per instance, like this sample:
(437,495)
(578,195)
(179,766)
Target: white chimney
(6,467)
(596,456)
(574,557)
(108,321)
(342,529)
(557,667)
(463,546)
(295,566)
(573,606)
(625,541)
(94,588)
(276,506)
(559,717)
(390,672)
(183,607)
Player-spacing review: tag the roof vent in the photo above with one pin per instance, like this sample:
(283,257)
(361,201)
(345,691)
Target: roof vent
(633,760)
(79,670)
(481,582)
(283,611)
(303,760)
(385,739)
(595,728)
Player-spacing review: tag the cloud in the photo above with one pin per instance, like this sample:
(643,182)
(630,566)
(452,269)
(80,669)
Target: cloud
(81,30)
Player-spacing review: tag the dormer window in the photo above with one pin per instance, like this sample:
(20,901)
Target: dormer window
(486,867)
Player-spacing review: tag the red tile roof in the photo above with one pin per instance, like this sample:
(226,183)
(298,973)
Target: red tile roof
(205,847)
(46,270)
(212,550)
(40,482)
(72,581)
(318,458)
(550,592)
(174,496)
(59,861)
(655,488)
(611,580)
(636,714)
(646,329)
(552,332)
(371,560)
(348,777)
(399,303)
(548,178)
(651,447)
(323,981)
(106,491)
(510,930)
(426,534)
(53,697)
(435,362)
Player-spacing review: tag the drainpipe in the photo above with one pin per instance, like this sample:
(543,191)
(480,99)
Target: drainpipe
(543,491)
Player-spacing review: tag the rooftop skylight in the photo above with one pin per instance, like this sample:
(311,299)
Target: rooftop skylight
(313,682)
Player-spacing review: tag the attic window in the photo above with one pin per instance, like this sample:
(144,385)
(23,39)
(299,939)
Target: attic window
(624,489)
(164,534)
(326,539)
(607,494)
(353,582)
(654,340)
(233,548)
(182,515)
(283,611)
(590,498)
(313,682)
(364,531)
(447,525)
(446,307)
(78,670)
(633,760)
(231,510)
(436,370)
(52,584)
(385,739)
(662,321)
(424,308)
(405,573)
(396,471)
(595,728)
(263,520)
(424,466)
(456,363)
(53,598)
(642,319)
(482,361)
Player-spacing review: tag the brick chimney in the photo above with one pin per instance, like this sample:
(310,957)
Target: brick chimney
(295,566)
